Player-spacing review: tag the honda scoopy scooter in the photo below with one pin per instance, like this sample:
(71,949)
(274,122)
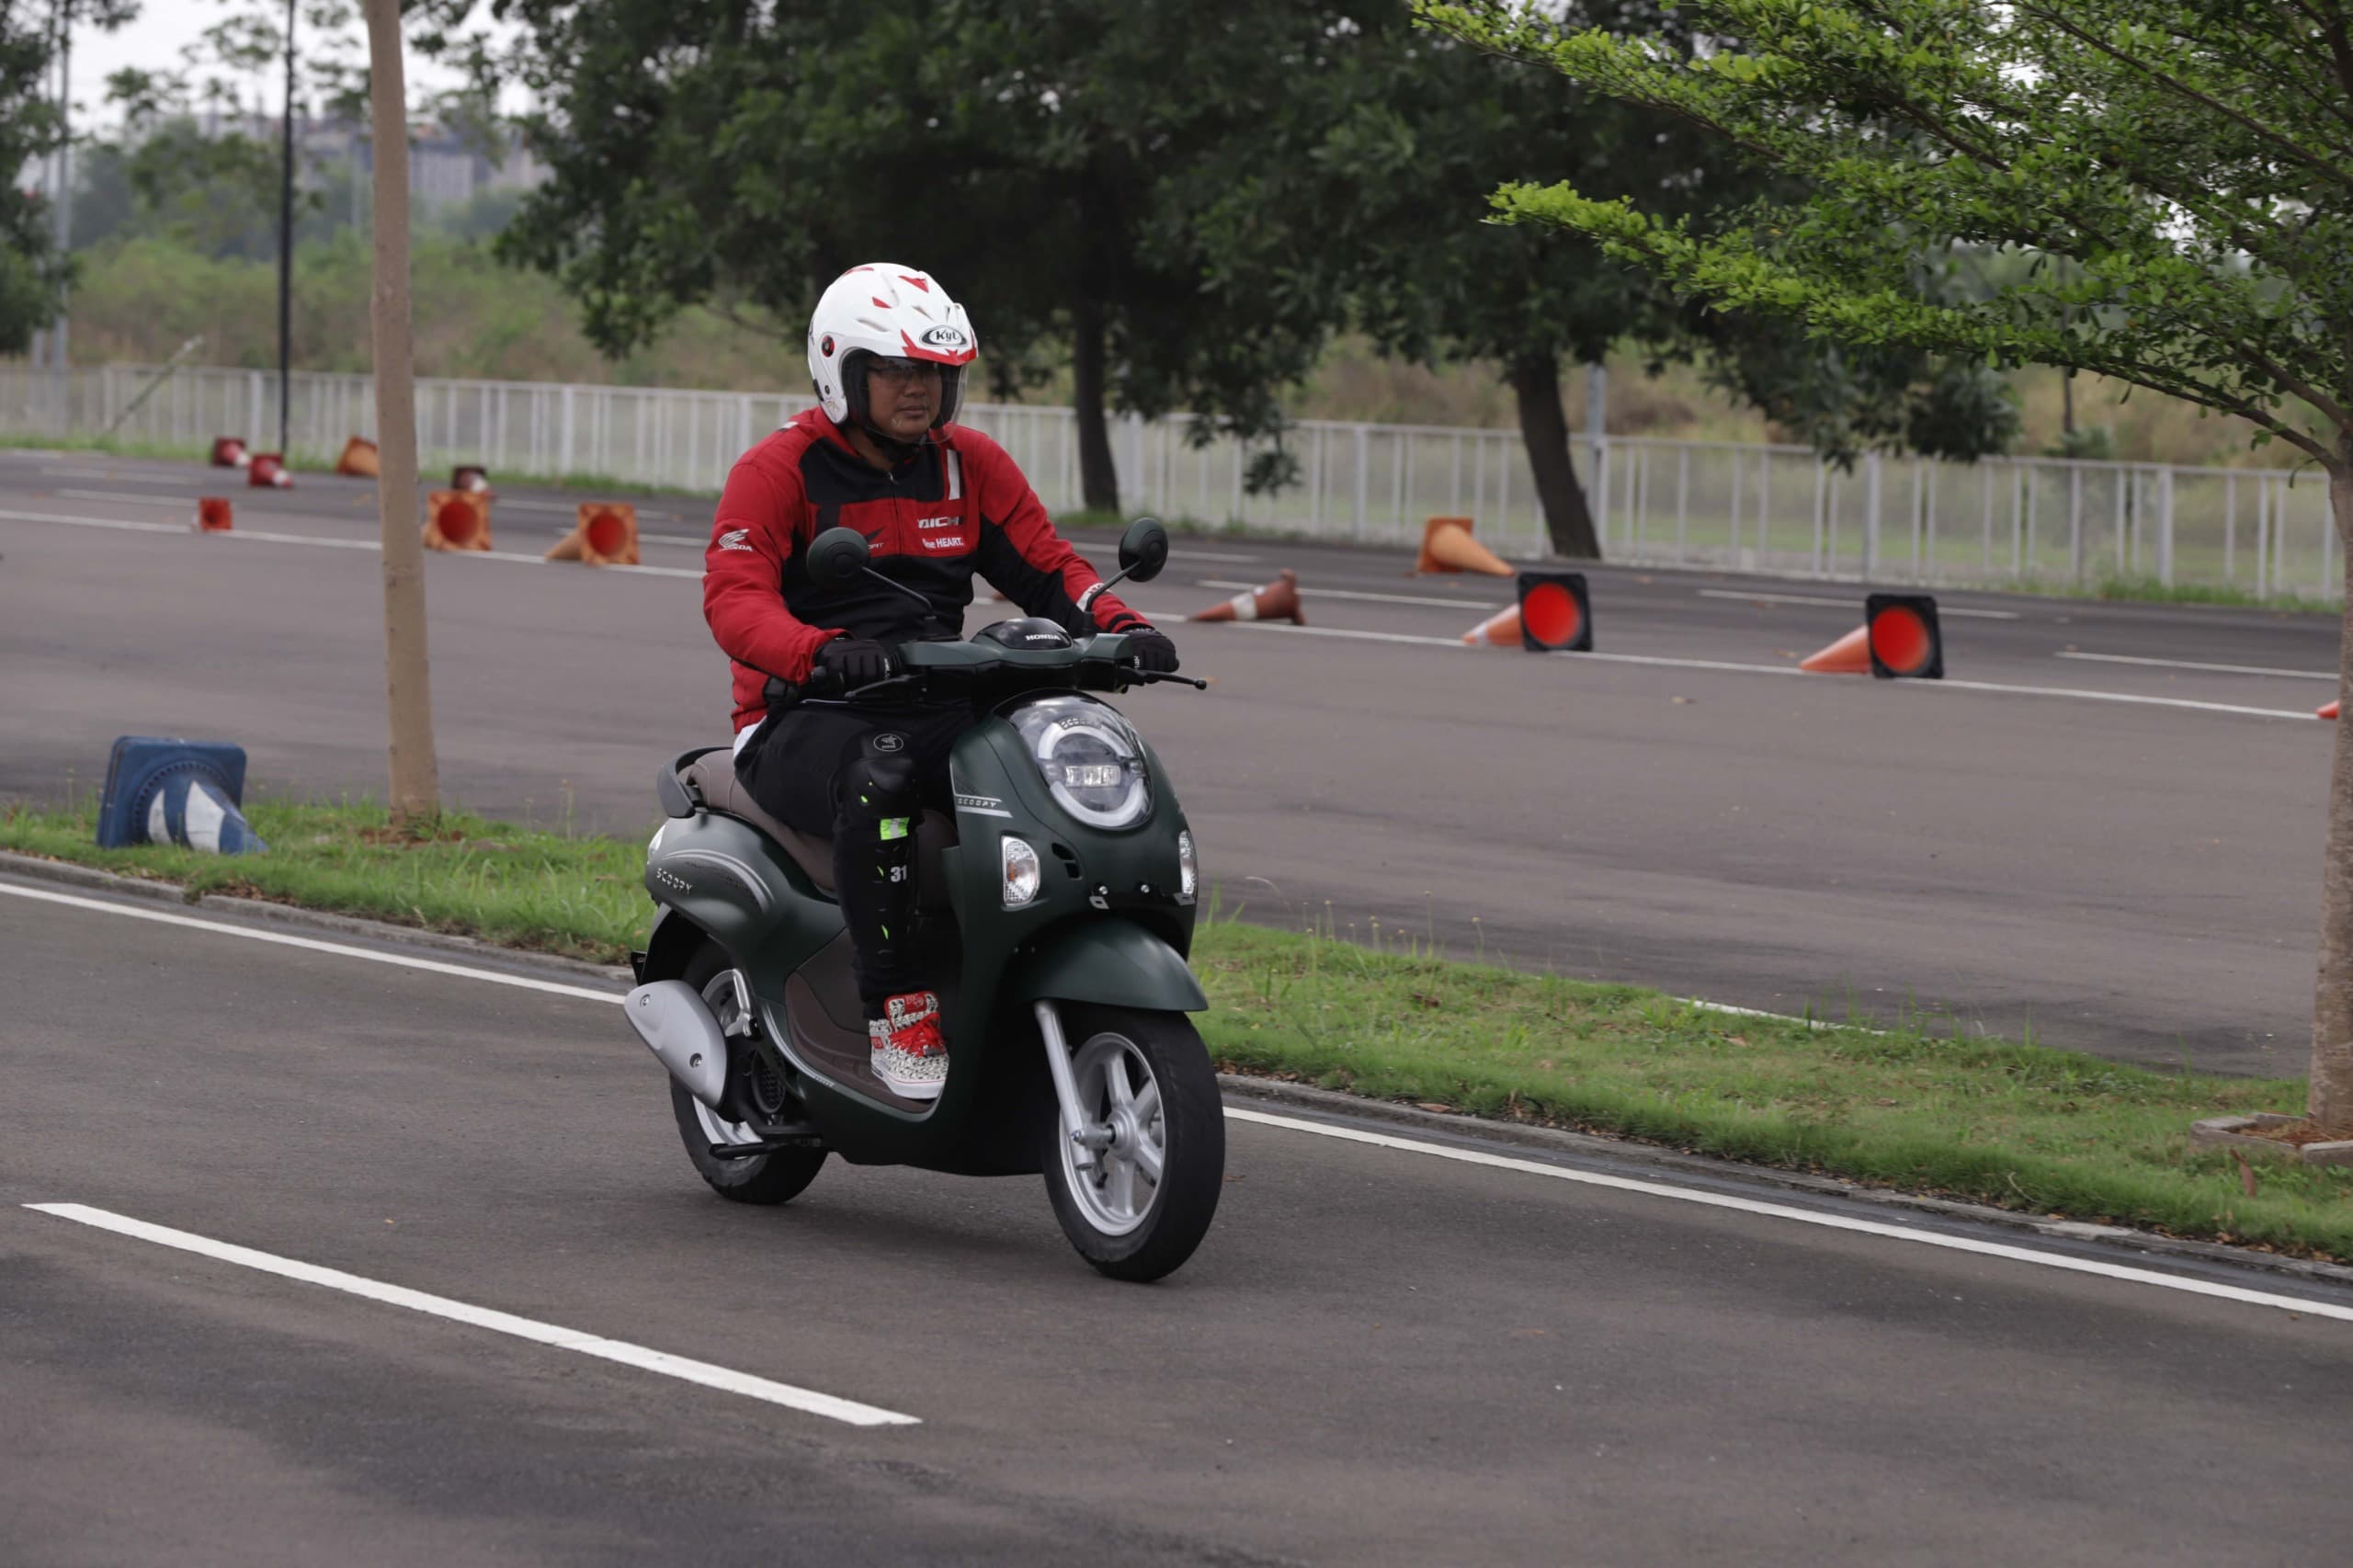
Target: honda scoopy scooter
(1057,911)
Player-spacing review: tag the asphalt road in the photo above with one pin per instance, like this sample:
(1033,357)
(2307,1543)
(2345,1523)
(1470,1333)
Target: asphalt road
(1378,1356)
(2115,856)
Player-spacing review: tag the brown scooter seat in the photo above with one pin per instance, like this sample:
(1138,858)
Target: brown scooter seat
(712,778)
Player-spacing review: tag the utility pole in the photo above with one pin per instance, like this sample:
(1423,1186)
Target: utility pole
(286,255)
(61,366)
(408,687)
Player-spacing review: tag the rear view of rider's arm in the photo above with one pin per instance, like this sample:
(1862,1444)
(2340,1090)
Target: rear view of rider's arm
(1021,553)
(751,540)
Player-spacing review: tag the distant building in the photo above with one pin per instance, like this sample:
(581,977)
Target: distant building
(445,170)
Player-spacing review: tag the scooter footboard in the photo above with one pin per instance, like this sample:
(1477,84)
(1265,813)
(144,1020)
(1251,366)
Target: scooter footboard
(1115,963)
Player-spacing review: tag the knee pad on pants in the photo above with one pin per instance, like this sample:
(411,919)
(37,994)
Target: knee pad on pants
(880,791)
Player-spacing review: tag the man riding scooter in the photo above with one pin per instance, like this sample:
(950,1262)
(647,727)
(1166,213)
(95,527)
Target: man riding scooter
(937,503)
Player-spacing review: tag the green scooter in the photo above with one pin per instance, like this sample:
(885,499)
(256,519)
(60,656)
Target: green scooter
(1057,911)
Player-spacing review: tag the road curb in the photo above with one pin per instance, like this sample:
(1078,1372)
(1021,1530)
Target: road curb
(95,880)
(1456,1125)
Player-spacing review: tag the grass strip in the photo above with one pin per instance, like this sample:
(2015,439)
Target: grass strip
(2015,1124)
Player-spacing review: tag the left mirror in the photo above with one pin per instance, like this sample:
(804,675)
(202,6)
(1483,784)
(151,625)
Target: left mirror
(836,556)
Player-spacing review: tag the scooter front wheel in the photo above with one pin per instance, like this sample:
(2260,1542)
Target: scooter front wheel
(1136,1191)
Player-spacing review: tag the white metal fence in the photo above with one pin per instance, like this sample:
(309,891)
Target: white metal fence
(1747,507)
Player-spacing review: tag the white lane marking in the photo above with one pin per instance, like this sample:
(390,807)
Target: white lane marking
(251,535)
(2194,664)
(2303,715)
(2125,1272)
(726,1379)
(184,502)
(1855,603)
(1218,555)
(310,944)
(1471,605)
(1468,1156)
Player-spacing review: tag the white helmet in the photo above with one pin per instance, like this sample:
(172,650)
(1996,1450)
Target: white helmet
(896,313)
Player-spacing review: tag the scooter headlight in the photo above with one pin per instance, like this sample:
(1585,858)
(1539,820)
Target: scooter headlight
(1188,870)
(1091,758)
(1020,872)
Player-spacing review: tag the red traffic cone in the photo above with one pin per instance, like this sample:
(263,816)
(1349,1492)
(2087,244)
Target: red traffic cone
(2327,712)
(457,519)
(213,515)
(471,477)
(228,452)
(268,471)
(1500,629)
(1278,601)
(1850,655)
(1447,546)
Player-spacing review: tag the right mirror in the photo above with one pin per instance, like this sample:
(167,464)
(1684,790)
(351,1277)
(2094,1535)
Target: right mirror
(835,556)
(1144,548)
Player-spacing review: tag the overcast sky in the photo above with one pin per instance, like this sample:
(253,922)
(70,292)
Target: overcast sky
(156,42)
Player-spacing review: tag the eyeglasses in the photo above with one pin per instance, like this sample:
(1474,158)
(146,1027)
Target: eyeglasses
(900,369)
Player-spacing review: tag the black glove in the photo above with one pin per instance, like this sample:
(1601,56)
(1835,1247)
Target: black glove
(853,662)
(1154,652)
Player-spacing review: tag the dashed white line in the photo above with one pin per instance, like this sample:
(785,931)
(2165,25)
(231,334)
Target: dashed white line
(685,1369)
(2125,1272)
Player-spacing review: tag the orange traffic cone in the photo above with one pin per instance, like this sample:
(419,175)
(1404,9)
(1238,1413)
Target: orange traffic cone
(2327,712)
(228,452)
(470,477)
(213,515)
(268,471)
(1850,655)
(359,460)
(1447,546)
(1500,629)
(605,535)
(1278,601)
(456,519)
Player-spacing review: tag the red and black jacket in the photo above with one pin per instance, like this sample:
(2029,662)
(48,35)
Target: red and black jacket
(959,506)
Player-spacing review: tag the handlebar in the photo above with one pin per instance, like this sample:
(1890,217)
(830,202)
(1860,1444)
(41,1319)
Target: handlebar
(954,660)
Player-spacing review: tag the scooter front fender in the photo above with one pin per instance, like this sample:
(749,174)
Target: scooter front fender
(1114,963)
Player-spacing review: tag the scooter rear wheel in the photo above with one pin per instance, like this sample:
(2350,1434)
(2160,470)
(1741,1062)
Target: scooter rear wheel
(1138,1195)
(757,1178)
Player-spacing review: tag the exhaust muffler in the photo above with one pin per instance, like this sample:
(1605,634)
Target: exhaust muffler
(676,1025)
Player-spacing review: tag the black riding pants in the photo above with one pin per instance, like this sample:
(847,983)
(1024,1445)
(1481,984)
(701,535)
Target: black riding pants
(861,776)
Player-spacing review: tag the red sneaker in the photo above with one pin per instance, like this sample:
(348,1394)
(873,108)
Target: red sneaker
(909,1055)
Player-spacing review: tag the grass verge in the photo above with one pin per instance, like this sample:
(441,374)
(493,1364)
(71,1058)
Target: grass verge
(2018,1125)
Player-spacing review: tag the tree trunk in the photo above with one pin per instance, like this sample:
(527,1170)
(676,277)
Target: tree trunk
(417,787)
(2331,1101)
(1544,427)
(1098,477)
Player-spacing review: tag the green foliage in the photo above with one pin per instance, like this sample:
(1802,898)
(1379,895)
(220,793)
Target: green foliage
(2176,175)
(32,273)
(1043,158)
(2014,1124)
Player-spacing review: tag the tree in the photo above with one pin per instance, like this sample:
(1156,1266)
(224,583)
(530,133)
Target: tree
(415,782)
(2186,167)
(33,274)
(1036,153)
(1370,180)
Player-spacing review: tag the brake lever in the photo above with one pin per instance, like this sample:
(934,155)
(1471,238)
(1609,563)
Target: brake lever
(1147,676)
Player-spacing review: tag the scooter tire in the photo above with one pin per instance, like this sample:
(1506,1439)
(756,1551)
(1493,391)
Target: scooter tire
(1193,1124)
(762,1178)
